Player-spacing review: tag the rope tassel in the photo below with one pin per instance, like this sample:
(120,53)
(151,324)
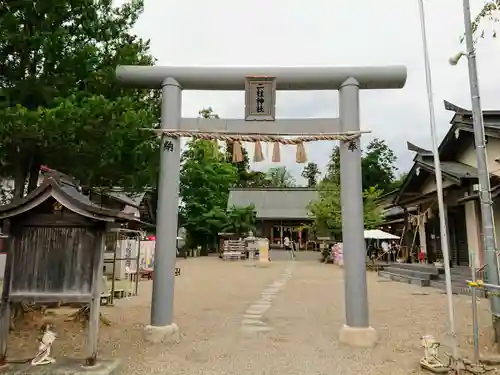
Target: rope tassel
(300,155)
(276,152)
(230,137)
(258,155)
(237,152)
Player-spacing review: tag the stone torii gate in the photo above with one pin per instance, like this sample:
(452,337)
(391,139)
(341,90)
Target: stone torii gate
(260,84)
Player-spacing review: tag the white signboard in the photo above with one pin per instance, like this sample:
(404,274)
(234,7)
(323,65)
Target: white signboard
(260,99)
(126,248)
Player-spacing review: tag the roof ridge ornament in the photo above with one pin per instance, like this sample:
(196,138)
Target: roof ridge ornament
(417,149)
(455,108)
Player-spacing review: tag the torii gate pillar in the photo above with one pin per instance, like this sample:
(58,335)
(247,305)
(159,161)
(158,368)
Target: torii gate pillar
(172,80)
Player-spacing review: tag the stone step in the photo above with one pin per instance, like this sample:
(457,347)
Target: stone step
(411,273)
(425,275)
(404,278)
(416,267)
(461,270)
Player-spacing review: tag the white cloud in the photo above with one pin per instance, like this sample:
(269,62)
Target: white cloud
(326,32)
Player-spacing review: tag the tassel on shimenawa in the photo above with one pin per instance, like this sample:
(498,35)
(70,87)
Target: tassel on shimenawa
(237,152)
(300,155)
(258,155)
(276,152)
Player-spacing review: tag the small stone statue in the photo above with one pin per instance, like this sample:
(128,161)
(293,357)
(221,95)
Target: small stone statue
(431,361)
(43,355)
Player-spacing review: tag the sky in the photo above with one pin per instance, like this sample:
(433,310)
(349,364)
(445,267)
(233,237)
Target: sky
(327,33)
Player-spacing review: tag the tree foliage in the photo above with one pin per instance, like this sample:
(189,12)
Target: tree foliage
(206,177)
(378,172)
(489,12)
(246,177)
(204,188)
(327,210)
(378,166)
(240,220)
(398,182)
(279,177)
(59,102)
(311,173)
(333,167)
(372,211)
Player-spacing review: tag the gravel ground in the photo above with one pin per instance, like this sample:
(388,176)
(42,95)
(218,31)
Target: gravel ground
(306,314)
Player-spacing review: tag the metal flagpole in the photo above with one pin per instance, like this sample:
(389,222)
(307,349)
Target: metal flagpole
(439,184)
(490,253)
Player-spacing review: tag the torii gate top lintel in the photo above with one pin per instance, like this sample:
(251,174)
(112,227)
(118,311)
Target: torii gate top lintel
(287,78)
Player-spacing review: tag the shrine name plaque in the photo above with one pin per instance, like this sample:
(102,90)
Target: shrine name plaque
(260,98)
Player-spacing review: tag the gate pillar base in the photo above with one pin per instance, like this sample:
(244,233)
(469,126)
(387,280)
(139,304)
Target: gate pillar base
(362,337)
(166,334)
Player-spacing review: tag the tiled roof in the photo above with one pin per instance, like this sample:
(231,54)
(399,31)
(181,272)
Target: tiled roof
(275,203)
(454,168)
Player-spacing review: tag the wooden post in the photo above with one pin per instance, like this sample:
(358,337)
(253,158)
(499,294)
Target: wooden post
(93,330)
(407,233)
(113,277)
(5,304)
(137,261)
(446,219)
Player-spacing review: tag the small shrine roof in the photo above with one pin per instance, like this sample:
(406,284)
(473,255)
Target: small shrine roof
(69,196)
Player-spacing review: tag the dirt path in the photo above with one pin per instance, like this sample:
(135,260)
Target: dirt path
(300,303)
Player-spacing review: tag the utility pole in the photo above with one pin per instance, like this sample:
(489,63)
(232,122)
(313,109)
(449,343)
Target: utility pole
(482,171)
(439,184)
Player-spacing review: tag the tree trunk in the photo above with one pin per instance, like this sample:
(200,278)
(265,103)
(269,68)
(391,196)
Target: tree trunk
(34,173)
(19,178)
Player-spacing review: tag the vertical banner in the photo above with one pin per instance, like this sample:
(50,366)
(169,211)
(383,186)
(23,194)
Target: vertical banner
(263,246)
(146,259)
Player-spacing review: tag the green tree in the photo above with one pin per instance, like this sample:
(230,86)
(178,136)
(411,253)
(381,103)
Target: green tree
(398,182)
(333,167)
(378,177)
(489,12)
(206,177)
(327,210)
(60,104)
(378,166)
(243,167)
(246,177)
(256,179)
(311,173)
(279,177)
(240,220)
(372,212)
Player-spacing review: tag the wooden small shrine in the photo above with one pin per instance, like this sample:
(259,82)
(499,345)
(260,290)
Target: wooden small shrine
(55,247)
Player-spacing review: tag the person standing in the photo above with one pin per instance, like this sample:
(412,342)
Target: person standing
(286,243)
(293,249)
(385,250)
(288,246)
